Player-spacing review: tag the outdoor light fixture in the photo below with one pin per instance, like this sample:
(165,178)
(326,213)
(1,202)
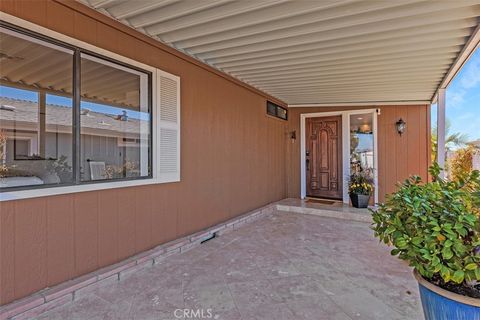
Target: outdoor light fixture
(293,136)
(401,125)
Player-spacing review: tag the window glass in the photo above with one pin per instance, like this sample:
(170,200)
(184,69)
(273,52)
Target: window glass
(276,111)
(37,122)
(361,143)
(35,112)
(115,121)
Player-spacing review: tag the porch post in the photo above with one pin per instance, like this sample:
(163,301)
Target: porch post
(441,130)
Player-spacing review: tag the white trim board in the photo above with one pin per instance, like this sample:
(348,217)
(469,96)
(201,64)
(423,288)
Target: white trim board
(345,148)
(359,104)
(158,177)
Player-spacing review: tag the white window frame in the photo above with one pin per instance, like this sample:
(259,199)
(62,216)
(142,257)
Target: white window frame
(345,148)
(156,177)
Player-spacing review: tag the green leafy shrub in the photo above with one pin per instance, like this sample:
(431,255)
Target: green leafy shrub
(434,226)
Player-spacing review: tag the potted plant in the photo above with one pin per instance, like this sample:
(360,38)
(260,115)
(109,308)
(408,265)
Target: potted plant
(360,188)
(435,226)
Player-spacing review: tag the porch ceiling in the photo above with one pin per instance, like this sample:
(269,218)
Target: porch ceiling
(329,51)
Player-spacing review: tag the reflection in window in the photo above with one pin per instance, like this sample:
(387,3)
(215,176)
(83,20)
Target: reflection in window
(361,143)
(35,112)
(38,115)
(115,121)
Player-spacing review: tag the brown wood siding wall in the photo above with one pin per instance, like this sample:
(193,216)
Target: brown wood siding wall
(233,160)
(398,156)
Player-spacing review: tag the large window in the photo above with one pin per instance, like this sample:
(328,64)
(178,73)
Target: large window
(115,121)
(68,116)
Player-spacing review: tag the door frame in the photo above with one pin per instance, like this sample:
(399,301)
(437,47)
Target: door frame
(345,148)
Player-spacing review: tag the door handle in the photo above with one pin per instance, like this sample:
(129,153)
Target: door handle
(307,160)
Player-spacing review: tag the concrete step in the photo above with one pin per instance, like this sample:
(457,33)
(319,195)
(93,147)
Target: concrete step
(342,212)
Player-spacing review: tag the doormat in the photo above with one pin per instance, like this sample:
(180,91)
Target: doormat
(322,201)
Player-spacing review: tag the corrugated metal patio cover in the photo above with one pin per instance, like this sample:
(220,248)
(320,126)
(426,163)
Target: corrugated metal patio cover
(326,51)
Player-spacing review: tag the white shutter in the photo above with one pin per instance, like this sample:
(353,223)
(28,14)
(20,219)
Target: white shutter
(168,131)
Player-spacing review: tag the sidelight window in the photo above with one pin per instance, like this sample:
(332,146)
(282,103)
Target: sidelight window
(361,143)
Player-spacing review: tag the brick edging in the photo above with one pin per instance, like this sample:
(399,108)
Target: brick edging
(49,298)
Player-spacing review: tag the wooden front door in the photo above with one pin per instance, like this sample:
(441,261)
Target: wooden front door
(324,157)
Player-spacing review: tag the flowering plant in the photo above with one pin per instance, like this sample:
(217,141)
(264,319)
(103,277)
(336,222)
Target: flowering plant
(360,183)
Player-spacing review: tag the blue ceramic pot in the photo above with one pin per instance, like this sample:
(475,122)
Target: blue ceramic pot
(440,304)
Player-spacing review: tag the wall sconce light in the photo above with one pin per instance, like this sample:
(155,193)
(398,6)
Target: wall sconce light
(293,136)
(400,125)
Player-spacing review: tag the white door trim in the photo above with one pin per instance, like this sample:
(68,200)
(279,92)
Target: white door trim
(345,148)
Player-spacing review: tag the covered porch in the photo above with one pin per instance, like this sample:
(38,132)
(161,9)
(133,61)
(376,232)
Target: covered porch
(281,265)
(223,92)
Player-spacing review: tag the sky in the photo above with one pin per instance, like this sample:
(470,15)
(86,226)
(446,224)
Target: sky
(463,100)
(15,93)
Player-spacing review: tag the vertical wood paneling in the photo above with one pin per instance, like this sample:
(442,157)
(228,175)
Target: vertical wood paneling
(233,160)
(205,158)
(382,161)
(7,251)
(143,218)
(107,227)
(219,201)
(248,157)
(427,145)
(402,147)
(107,37)
(85,28)
(60,239)
(415,152)
(33,10)
(64,25)
(170,196)
(30,246)
(129,45)
(8,6)
(159,216)
(126,222)
(391,157)
(398,156)
(86,231)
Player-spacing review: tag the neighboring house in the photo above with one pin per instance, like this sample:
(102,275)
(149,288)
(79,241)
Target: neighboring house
(339,82)
(118,134)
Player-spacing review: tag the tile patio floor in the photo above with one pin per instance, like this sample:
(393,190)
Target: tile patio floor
(285,266)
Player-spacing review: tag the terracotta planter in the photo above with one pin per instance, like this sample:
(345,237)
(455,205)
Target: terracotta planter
(440,304)
(359,200)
